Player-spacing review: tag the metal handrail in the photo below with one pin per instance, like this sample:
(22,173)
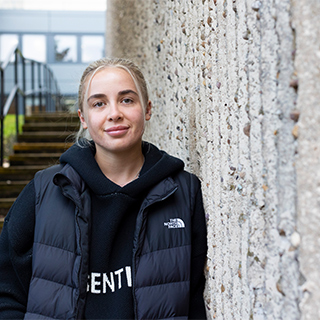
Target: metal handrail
(9,101)
(44,85)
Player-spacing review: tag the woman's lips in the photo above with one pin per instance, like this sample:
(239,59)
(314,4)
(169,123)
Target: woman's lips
(117,130)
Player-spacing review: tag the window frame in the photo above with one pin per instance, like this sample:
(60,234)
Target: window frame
(49,43)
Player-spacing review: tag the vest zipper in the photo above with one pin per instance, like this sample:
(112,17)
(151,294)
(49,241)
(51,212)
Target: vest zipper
(135,249)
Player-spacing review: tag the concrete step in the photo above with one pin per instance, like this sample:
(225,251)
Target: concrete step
(41,147)
(53,117)
(45,137)
(34,159)
(1,221)
(51,126)
(11,189)
(18,173)
(5,205)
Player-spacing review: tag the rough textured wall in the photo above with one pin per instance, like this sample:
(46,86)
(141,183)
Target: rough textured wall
(307,24)
(224,89)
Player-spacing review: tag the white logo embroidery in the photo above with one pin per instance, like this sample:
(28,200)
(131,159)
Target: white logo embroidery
(175,223)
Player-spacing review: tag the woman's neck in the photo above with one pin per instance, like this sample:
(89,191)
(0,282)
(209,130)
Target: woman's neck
(120,168)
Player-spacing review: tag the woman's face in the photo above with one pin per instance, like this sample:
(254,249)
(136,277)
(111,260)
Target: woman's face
(113,113)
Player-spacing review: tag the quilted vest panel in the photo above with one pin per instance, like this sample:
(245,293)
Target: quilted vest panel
(163,251)
(60,262)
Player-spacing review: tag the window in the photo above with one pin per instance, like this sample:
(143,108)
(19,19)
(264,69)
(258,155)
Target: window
(7,43)
(34,47)
(65,48)
(92,48)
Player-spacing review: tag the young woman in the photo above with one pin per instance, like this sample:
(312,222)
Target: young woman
(117,229)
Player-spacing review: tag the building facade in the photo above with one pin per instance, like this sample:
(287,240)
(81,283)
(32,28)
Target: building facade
(66,40)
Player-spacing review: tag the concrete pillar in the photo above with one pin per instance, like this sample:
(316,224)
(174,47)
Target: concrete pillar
(123,29)
(223,81)
(307,26)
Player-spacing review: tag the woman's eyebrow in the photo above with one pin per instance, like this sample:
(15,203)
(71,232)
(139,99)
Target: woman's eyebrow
(121,93)
(124,92)
(97,95)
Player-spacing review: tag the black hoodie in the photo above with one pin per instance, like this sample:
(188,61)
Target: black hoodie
(114,212)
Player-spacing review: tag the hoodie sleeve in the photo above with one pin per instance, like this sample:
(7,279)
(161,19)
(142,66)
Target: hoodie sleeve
(198,259)
(16,243)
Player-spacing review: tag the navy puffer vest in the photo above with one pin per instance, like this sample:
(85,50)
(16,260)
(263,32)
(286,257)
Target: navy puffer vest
(60,250)
(161,257)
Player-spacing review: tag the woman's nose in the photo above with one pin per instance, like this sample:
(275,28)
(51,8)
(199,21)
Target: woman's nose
(114,112)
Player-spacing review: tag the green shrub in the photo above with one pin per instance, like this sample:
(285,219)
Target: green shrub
(9,129)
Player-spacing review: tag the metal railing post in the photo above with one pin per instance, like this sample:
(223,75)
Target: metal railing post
(45,86)
(24,86)
(58,100)
(39,86)
(32,85)
(1,115)
(50,91)
(16,98)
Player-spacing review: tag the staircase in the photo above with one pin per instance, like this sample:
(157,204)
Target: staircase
(44,138)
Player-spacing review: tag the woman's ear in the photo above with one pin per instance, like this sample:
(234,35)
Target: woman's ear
(148,111)
(83,121)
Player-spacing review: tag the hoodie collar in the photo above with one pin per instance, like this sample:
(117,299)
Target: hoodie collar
(158,166)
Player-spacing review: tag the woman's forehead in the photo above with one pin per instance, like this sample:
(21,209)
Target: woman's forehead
(112,77)
(111,80)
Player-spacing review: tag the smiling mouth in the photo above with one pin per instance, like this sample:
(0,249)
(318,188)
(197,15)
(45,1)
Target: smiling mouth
(116,131)
(117,128)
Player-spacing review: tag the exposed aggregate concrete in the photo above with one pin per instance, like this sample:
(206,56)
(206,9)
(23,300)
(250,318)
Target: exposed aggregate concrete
(224,79)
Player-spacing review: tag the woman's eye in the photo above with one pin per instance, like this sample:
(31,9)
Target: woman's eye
(127,101)
(98,104)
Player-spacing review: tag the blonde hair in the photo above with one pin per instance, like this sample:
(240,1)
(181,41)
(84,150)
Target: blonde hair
(96,66)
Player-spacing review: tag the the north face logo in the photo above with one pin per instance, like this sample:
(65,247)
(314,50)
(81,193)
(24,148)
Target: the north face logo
(174,223)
